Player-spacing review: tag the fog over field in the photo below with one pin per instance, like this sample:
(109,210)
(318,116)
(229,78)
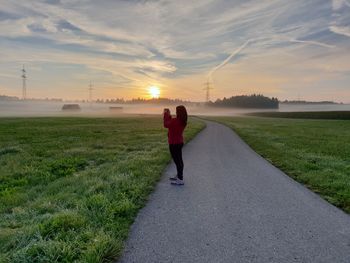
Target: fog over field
(40,108)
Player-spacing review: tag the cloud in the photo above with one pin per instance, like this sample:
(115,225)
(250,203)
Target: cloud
(345,31)
(338,4)
(341,17)
(8,16)
(246,43)
(312,43)
(166,41)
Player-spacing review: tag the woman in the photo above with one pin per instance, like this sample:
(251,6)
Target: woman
(176,128)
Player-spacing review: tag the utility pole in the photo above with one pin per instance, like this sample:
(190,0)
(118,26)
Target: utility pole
(90,93)
(24,86)
(207,91)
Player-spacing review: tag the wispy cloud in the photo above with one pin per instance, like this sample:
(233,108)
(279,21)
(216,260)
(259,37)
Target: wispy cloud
(168,41)
(246,43)
(341,30)
(312,43)
(338,4)
(341,16)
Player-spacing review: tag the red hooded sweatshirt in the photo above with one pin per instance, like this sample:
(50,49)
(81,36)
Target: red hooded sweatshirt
(175,129)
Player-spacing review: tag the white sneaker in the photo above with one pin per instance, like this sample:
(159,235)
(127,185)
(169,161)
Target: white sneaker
(177,182)
(174,178)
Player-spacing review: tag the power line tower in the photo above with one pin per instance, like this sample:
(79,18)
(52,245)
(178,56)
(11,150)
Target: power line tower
(24,84)
(207,91)
(90,93)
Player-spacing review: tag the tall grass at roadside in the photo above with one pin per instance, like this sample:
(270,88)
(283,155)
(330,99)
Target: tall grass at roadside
(71,187)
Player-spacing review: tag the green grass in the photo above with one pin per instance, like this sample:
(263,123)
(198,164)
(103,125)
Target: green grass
(331,115)
(71,187)
(313,152)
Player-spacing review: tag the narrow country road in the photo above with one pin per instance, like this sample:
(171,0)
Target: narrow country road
(235,207)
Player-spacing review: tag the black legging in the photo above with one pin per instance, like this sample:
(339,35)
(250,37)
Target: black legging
(176,154)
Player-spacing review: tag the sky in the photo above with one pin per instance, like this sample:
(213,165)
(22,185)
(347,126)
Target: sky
(291,50)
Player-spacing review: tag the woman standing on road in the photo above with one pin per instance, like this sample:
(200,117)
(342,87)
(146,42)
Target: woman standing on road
(176,127)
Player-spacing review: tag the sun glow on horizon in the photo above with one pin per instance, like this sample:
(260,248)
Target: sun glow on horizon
(154,92)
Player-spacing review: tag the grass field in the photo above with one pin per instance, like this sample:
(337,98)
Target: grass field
(313,152)
(71,187)
(331,115)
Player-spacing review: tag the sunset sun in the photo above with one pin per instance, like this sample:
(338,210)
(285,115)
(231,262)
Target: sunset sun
(154,92)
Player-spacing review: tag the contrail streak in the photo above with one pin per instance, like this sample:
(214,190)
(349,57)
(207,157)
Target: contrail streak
(234,53)
(312,43)
(238,50)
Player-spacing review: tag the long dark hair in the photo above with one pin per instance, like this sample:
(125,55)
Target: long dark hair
(181,114)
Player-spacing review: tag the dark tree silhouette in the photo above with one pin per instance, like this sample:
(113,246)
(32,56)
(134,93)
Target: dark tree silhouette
(252,101)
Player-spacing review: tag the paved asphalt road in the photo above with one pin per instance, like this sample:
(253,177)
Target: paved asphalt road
(235,207)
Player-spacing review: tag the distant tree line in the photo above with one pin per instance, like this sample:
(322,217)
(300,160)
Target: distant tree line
(308,102)
(8,98)
(257,101)
(165,101)
(114,100)
(14,98)
(245,101)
